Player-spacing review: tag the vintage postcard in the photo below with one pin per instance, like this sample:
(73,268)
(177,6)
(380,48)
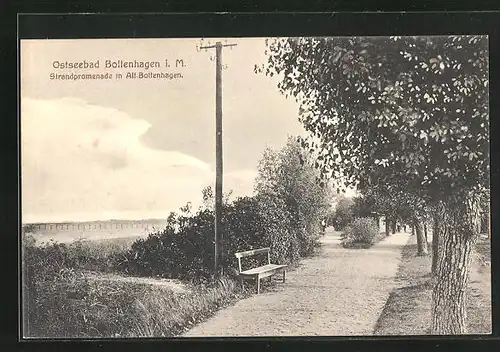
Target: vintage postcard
(305,186)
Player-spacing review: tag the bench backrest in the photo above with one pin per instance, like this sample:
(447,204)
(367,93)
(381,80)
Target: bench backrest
(251,253)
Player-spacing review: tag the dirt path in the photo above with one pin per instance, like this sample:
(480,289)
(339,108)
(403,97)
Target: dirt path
(339,292)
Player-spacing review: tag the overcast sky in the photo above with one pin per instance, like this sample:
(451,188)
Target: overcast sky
(132,149)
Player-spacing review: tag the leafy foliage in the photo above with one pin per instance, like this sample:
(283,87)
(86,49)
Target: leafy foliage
(208,197)
(289,177)
(409,114)
(284,215)
(364,206)
(396,204)
(185,249)
(344,213)
(383,108)
(362,231)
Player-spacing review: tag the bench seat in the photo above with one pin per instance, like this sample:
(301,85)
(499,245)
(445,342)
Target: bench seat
(259,272)
(262,269)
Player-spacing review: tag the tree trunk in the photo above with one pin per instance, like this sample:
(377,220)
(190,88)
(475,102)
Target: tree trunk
(413,230)
(393,226)
(387,230)
(457,235)
(488,224)
(425,234)
(421,241)
(435,244)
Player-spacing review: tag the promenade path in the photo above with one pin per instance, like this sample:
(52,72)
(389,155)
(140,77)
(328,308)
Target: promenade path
(339,292)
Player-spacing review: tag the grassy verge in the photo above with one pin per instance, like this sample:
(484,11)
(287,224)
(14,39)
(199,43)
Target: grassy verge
(408,309)
(72,291)
(73,305)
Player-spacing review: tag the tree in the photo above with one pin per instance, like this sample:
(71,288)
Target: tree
(288,176)
(398,204)
(384,110)
(381,202)
(344,212)
(413,209)
(435,244)
(364,206)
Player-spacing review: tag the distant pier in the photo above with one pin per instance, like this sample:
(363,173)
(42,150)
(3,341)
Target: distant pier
(97,226)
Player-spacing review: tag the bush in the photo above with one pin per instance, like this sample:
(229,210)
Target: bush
(284,215)
(288,180)
(55,289)
(185,249)
(361,232)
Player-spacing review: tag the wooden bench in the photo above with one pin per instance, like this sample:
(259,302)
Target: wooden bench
(260,272)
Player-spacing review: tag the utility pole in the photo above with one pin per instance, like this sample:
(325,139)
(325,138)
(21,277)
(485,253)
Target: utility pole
(218,240)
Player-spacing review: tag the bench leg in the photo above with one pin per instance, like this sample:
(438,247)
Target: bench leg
(258,284)
(284,275)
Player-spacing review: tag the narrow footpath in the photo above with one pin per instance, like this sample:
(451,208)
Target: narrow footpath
(339,292)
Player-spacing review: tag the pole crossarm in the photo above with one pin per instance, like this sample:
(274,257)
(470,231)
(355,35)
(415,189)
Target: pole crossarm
(215,45)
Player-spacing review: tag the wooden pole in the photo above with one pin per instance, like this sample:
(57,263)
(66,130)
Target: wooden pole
(218,236)
(218,157)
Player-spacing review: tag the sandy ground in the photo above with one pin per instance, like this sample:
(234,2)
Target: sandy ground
(175,285)
(336,293)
